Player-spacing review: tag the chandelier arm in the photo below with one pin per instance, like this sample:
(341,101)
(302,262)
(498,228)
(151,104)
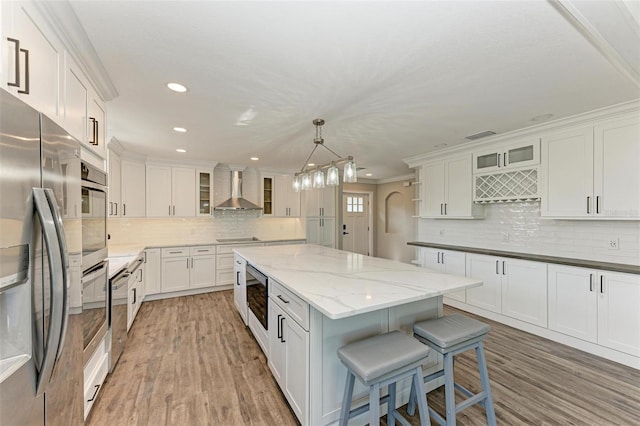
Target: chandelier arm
(330,150)
(308,158)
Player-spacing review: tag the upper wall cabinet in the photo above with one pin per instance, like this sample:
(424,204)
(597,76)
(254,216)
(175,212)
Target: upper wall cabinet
(115,174)
(278,197)
(592,172)
(447,189)
(31,59)
(132,189)
(519,154)
(171,191)
(204,193)
(320,202)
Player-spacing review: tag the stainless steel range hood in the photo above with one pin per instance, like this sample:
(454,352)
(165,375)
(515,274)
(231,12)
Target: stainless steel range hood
(236,202)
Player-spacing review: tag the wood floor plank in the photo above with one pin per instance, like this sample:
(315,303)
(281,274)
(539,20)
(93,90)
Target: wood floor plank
(191,361)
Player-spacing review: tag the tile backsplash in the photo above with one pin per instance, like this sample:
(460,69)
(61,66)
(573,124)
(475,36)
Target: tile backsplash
(196,230)
(518,227)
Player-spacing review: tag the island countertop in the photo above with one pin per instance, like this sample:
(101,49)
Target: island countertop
(341,284)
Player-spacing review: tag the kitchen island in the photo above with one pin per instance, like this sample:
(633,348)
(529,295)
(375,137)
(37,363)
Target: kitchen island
(320,299)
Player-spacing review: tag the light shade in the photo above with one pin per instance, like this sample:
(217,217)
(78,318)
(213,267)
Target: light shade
(318,179)
(306,182)
(297,183)
(350,175)
(333,176)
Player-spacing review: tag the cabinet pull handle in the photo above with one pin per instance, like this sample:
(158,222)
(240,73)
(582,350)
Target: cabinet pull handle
(175,252)
(441,209)
(16,82)
(26,72)
(95,392)
(445,209)
(590,282)
(588,204)
(282,298)
(503,268)
(110,208)
(438,255)
(192,263)
(598,204)
(140,280)
(187,263)
(279,329)
(601,284)
(124,209)
(442,257)
(497,262)
(134,296)
(93,131)
(116,204)
(499,160)
(282,329)
(174,210)
(97,133)
(237,277)
(504,159)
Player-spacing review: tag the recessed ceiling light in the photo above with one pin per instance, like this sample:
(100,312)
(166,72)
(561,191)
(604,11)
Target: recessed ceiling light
(177,87)
(368,174)
(180,150)
(254,158)
(180,129)
(542,117)
(311,164)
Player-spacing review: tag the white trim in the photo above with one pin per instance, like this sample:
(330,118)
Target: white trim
(411,177)
(190,292)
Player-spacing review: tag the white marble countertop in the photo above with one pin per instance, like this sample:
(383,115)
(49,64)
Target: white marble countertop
(116,264)
(341,284)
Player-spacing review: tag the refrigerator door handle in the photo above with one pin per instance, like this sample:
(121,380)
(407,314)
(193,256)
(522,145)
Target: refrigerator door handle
(46,210)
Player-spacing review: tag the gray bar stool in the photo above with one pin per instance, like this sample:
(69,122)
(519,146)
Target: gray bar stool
(451,336)
(380,361)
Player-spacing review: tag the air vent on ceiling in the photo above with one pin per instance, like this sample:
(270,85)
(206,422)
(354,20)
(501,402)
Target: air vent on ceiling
(480,135)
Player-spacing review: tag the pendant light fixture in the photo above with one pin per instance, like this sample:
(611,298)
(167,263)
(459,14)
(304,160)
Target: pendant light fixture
(306,178)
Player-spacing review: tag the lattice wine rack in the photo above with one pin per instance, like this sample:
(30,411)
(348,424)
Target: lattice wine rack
(516,185)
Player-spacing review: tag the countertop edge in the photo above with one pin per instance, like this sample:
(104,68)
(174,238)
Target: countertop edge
(583,263)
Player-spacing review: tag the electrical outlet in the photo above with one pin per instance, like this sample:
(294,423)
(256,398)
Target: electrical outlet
(442,232)
(505,237)
(613,244)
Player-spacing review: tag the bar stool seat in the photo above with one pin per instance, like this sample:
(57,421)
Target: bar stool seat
(452,335)
(380,361)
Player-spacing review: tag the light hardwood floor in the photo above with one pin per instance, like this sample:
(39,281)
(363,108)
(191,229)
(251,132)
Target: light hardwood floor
(191,361)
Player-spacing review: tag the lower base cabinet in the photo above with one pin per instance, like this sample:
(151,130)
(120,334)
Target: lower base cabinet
(152,270)
(185,268)
(240,287)
(597,306)
(94,374)
(135,295)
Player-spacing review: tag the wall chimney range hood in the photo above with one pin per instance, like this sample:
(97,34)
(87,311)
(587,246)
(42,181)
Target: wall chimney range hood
(236,202)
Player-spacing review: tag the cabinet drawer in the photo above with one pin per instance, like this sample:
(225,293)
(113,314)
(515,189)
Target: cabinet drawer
(224,261)
(294,306)
(228,248)
(225,277)
(94,374)
(199,251)
(175,252)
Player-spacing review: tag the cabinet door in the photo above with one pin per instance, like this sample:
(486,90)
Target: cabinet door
(175,274)
(132,299)
(567,177)
(152,269)
(312,202)
(97,123)
(524,291)
(204,192)
(115,170)
(454,262)
(133,189)
(183,192)
(76,91)
(525,153)
(203,271)
(459,186)
(486,161)
(619,312)
(277,343)
(269,206)
(313,230)
(432,190)
(158,180)
(240,288)
(617,175)
(328,200)
(573,305)
(296,374)
(430,259)
(328,231)
(486,269)
(45,56)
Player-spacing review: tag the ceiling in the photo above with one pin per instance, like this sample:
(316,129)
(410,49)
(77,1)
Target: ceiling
(391,79)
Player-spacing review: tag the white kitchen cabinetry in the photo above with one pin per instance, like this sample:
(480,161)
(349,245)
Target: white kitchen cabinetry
(592,172)
(76,89)
(447,262)
(188,267)
(171,191)
(97,123)
(518,154)
(32,58)
(204,193)
(515,288)
(289,347)
(135,295)
(225,270)
(447,190)
(320,202)
(240,287)
(268,195)
(115,175)
(152,270)
(287,201)
(596,306)
(321,231)
(133,189)
(95,371)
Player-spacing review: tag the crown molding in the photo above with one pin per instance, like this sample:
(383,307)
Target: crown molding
(411,176)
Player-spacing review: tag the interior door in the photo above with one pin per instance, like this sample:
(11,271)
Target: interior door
(355,227)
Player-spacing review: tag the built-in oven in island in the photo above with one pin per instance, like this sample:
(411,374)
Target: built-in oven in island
(258,294)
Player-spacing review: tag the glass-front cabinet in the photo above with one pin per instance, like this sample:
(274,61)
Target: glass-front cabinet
(267,195)
(204,181)
(524,153)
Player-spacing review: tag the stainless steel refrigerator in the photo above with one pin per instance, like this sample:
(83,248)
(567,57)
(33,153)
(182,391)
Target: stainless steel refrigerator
(41,365)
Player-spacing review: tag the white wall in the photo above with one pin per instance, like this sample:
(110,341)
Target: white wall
(529,233)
